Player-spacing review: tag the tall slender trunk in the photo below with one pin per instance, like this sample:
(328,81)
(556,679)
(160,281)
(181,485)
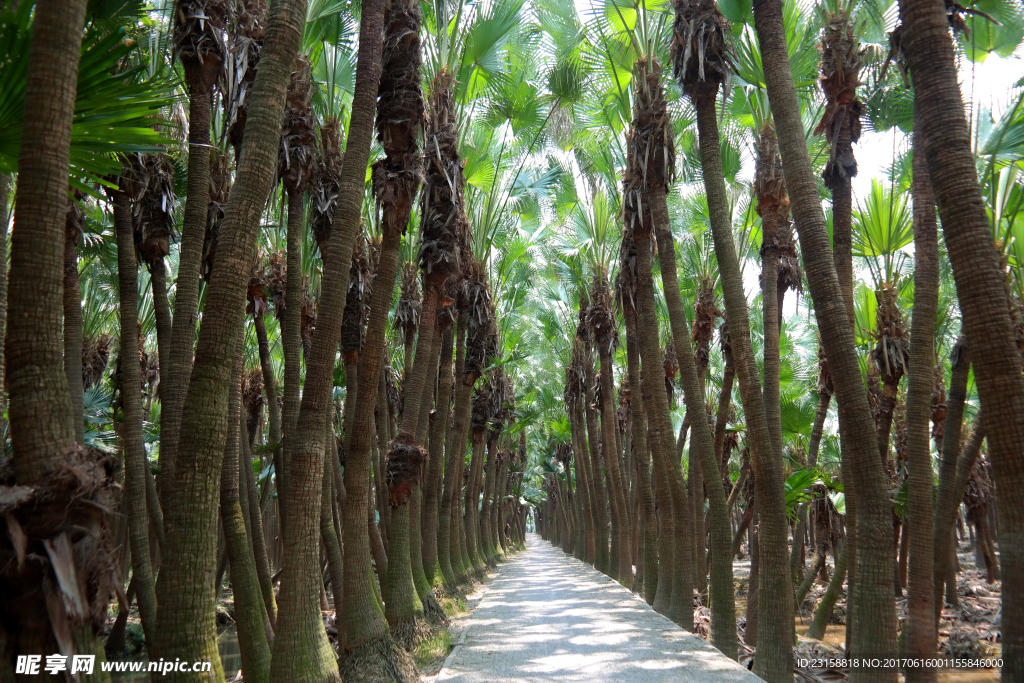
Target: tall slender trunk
(73,329)
(873,590)
(675,551)
(186,297)
(6,183)
(454,452)
(136,465)
(601,529)
(259,543)
(979,282)
(775,660)
(947,500)
(41,421)
(291,331)
(186,624)
(620,567)
(273,407)
(432,492)
(162,313)
(921,623)
(249,610)
(472,514)
(641,455)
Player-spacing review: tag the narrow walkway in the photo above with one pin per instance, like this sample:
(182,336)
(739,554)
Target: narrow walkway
(549,617)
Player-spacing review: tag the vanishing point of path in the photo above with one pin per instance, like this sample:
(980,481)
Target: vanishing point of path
(546,616)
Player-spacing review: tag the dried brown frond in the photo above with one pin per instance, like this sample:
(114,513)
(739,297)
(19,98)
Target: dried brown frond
(199,39)
(475,301)
(626,279)
(670,364)
(246,32)
(256,290)
(277,281)
(481,410)
(153,210)
(938,402)
(624,413)
(445,227)
(357,298)
(407,315)
(400,105)
(252,397)
(840,77)
(74,221)
(95,354)
(891,355)
(405,462)
(297,150)
(601,314)
(220,188)
(326,183)
(824,376)
(701,51)
(650,144)
(308,318)
(706,313)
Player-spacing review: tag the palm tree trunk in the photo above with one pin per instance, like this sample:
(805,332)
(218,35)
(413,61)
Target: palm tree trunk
(873,590)
(921,622)
(775,659)
(795,558)
(6,182)
(602,559)
(472,514)
(136,465)
(823,612)
(186,624)
(453,453)
(259,542)
(273,408)
(432,492)
(41,420)
(186,298)
(291,329)
(162,313)
(620,567)
(675,568)
(641,457)
(73,334)
(979,281)
(249,610)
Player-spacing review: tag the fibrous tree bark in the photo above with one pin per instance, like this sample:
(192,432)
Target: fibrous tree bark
(979,279)
(873,591)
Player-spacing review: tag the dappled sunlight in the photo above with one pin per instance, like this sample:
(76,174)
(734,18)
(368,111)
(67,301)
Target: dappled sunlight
(549,617)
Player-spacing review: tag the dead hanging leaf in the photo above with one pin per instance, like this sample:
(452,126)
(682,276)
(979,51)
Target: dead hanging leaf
(59,621)
(18,539)
(63,562)
(12,497)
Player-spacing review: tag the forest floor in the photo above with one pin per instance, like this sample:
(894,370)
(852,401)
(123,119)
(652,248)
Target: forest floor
(546,616)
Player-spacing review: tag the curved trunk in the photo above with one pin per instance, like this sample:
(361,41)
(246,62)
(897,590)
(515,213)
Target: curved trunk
(873,590)
(186,620)
(823,612)
(584,477)
(490,473)
(5,218)
(249,611)
(136,465)
(921,622)
(979,282)
(259,543)
(186,297)
(775,661)
(73,335)
(273,408)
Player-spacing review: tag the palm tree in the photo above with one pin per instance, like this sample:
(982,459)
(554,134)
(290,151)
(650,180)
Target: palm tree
(922,623)
(199,45)
(701,71)
(873,589)
(186,626)
(930,60)
(41,421)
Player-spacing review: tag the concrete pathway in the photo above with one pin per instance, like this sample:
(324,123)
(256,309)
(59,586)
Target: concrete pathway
(549,617)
